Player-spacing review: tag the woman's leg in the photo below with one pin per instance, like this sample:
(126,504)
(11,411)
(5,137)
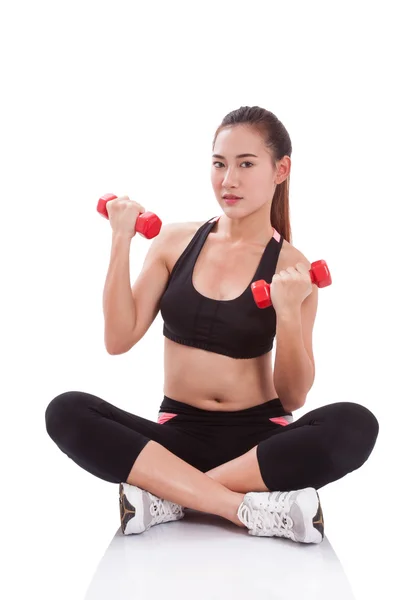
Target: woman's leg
(167,476)
(320,447)
(117,446)
(242,474)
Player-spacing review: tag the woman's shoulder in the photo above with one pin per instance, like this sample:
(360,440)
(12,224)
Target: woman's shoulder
(181,229)
(177,236)
(290,256)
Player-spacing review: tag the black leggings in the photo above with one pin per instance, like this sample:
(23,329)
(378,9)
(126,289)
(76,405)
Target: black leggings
(320,447)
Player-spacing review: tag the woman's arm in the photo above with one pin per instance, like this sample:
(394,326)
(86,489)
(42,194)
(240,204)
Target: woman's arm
(294,368)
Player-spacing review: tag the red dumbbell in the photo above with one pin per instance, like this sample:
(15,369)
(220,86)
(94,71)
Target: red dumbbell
(147,223)
(319,274)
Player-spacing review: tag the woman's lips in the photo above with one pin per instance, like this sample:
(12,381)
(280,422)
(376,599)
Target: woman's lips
(232,200)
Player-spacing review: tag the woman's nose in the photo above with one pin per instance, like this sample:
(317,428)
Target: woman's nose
(230,178)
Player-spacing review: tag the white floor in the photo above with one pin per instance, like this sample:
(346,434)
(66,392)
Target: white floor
(204,557)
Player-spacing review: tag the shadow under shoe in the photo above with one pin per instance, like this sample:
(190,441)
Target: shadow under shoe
(140,510)
(296,515)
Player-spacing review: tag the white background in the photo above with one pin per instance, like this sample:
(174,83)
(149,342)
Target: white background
(125,97)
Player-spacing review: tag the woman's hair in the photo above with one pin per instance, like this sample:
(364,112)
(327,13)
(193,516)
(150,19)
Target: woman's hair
(277,140)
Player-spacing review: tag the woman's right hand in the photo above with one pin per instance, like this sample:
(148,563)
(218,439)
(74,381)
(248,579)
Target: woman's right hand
(122,214)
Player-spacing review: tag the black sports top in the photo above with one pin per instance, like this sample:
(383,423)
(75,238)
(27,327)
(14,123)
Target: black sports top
(236,328)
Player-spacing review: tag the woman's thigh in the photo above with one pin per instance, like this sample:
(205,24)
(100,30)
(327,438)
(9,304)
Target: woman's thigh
(320,447)
(106,440)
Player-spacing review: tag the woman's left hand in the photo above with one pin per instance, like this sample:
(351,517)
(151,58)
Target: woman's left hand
(290,287)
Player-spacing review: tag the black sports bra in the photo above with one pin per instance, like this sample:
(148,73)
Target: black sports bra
(235,328)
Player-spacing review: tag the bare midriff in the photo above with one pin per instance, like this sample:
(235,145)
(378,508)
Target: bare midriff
(208,380)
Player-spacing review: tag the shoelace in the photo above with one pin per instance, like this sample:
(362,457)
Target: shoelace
(268,516)
(162,509)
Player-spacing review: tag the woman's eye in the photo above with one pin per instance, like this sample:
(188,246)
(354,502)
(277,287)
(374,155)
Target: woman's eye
(246,162)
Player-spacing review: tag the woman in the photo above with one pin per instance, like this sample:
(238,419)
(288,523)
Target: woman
(225,442)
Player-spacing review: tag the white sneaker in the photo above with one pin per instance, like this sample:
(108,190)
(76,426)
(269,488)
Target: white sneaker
(296,515)
(140,510)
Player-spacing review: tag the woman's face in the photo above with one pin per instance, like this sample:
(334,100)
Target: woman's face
(253,178)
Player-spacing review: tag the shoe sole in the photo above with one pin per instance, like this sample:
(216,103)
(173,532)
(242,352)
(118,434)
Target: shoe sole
(131,518)
(318,520)
(310,504)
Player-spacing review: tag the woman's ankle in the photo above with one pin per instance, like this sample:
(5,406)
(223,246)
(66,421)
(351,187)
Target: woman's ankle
(233,510)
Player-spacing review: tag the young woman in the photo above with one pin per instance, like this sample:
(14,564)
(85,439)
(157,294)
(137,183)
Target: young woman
(225,442)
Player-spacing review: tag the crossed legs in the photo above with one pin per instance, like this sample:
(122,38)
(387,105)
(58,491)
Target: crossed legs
(219,491)
(242,474)
(321,447)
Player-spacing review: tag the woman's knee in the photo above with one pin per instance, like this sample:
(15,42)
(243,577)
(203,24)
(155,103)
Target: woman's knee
(360,417)
(357,430)
(62,413)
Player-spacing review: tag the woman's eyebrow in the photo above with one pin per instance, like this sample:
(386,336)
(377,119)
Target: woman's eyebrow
(238,156)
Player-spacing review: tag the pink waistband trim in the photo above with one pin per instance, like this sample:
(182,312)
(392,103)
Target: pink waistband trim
(164,416)
(280,420)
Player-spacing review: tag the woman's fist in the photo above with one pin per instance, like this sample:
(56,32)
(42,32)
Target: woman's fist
(122,214)
(290,287)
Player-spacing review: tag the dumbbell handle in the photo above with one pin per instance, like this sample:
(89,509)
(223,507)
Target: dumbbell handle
(319,274)
(147,223)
